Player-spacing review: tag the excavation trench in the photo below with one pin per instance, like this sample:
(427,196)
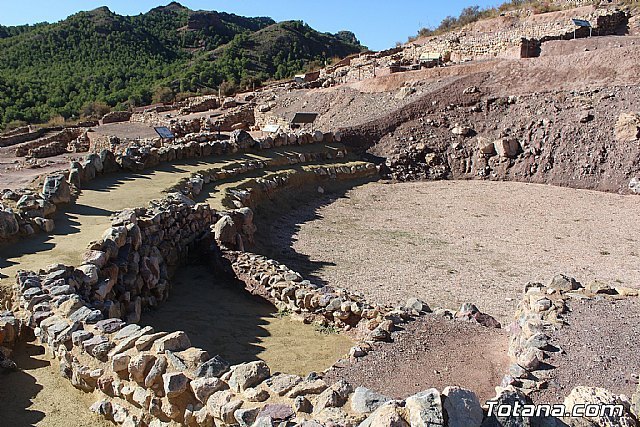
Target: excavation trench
(217,314)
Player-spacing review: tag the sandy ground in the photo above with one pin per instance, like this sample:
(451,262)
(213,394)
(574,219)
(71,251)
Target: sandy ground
(432,352)
(49,404)
(460,241)
(85,221)
(38,395)
(599,348)
(221,318)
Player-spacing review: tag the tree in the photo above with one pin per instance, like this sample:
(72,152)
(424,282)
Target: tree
(163,94)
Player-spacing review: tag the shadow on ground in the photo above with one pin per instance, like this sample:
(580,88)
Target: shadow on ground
(19,388)
(279,221)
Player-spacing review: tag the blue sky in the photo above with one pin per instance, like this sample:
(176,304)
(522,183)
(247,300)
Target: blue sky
(378,23)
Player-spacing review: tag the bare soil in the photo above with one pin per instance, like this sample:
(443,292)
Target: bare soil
(37,395)
(459,241)
(598,348)
(431,352)
(222,318)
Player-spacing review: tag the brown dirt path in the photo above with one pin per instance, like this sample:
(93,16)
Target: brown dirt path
(432,352)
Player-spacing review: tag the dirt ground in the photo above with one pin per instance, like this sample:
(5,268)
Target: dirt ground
(459,241)
(38,395)
(221,318)
(599,348)
(432,352)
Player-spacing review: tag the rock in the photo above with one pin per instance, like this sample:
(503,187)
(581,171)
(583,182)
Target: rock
(88,274)
(327,399)
(387,415)
(120,362)
(507,147)
(97,258)
(246,417)
(86,315)
(561,282)
(404,92)
(56,189)
(176,341)
(109,326)
(486,147)
(255,395)
(302,404)
(507,397)
(205,387)
(462,407)
(531,358)
(248,375)
(598,396)
(365,401)
(317,136)
(282,384)
(175,384)
(214,367)
(417,305)
(225,230)
(46,225)
(8,224)
(634,185)
(380,334)
(139,367)
(627,128)
(461,130)
(309,386)
(276,412)
(242,139)
(156,372)
(425,409)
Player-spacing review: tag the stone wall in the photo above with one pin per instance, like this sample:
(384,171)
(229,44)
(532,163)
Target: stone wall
(23,135)
(470,43)
(116,117)
(65,136)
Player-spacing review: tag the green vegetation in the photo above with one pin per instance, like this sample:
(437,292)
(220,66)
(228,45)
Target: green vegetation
(98,60)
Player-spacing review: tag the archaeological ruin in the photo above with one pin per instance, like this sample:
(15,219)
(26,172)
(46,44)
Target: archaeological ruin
(440,237)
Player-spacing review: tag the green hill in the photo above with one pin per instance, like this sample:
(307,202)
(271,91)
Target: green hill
(48,70)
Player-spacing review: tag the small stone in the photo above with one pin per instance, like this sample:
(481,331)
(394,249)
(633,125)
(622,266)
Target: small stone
(248,375)
(175,384)
(365,401)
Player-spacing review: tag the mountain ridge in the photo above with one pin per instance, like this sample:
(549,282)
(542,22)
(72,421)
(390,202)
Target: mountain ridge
(98,56)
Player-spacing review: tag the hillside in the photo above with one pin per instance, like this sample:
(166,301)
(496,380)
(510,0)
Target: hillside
(56,69)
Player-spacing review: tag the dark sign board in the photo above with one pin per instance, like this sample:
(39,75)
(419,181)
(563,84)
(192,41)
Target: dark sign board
(582,23)
(164,132)
(304,118)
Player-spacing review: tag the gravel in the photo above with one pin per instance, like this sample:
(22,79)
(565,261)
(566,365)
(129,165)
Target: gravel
(599,348)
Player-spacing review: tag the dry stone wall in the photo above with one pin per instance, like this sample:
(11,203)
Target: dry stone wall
(62,138)
(467,44)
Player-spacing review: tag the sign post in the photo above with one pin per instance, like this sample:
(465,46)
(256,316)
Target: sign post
(582,23)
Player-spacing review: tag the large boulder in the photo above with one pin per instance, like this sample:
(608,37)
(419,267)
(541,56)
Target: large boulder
(225,230)
(507,147)
(425,409)
(462,407)
(56,189)
(242,139)
(8,223)
(365,401)
(248,375)
(627,128)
